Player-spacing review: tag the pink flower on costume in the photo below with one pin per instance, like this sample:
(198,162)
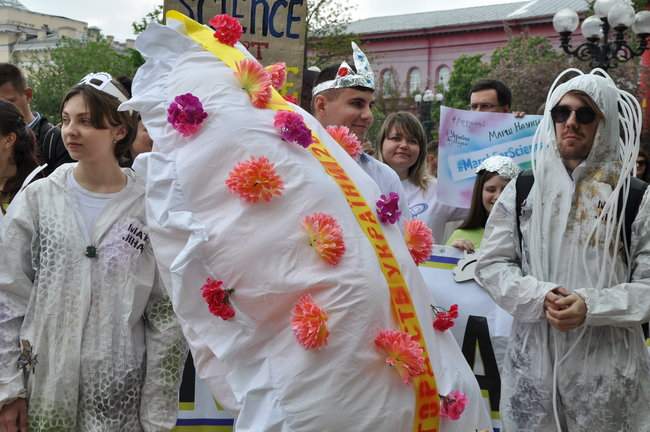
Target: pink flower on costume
(346,139)
(325,236)
(388,208)
(227,29)
(419,239)
(278,73)
(309,323)
(292,128)
(290,98)
(444,320)
(255,81)
(403,353)
(453,405)
(255,180)
(218,299)
(186,114)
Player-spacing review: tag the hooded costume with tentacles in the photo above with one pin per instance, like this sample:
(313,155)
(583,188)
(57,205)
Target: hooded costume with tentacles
(596,377)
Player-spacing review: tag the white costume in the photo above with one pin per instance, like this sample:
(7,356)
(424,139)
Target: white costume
(200,229)
(108,349)
(595,378)
(424,205)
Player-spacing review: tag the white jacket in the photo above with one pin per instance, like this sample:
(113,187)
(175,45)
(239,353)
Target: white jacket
(108,348)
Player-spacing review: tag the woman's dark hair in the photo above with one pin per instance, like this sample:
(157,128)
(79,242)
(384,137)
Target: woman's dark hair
(25,156)
(646,173)
(477,217)
(103,112)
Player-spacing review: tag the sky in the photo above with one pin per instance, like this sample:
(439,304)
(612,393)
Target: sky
(114,17)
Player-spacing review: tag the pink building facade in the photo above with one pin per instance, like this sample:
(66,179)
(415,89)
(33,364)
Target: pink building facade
(420,49)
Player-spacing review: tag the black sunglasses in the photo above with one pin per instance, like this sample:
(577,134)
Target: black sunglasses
(584,115)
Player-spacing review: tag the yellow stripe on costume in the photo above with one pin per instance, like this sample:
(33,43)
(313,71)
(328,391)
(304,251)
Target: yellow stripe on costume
(427,401)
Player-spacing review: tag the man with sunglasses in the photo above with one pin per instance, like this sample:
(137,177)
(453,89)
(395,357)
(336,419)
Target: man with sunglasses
(566,252)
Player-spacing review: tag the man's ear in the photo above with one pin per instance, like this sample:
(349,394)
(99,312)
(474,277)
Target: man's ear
(29,94)
(319,102)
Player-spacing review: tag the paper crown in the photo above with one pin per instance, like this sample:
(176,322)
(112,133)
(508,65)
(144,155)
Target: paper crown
(346,77)
(502,165)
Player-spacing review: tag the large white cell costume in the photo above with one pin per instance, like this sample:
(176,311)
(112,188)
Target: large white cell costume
(595,378)
(107,347)
(200,229)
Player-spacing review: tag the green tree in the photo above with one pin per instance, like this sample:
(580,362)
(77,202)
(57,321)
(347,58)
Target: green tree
(327,38)
(156,15)
(52,77)
(465,72)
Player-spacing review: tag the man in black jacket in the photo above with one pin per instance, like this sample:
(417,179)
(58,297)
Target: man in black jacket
(13,89)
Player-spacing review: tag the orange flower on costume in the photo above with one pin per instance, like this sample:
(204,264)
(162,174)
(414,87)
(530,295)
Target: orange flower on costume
(309,323)
(255,180)
(325,236)
(255,81)
(419,239)
(278,73)
(403,353)
(346,139)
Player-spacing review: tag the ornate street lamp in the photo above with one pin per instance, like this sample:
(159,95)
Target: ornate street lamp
(424,105)
(616,15)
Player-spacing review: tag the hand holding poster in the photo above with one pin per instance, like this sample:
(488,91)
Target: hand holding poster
(469,137)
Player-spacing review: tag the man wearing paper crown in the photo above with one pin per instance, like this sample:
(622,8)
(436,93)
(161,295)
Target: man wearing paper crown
(343,97)
(303,311)
(576,274)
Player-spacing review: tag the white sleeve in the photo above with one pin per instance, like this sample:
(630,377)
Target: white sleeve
(627,303)
(19,243)
(498,268)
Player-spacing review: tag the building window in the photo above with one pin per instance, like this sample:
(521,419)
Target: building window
(415,81)
(388,82)
(443,77)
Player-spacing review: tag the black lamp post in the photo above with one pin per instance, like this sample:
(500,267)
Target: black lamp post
(424,105)
(603,49)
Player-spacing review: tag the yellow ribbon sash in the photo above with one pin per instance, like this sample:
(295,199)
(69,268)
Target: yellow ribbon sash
(427,402)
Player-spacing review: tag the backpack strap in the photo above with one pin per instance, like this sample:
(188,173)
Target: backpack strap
(523,185)
(637,190)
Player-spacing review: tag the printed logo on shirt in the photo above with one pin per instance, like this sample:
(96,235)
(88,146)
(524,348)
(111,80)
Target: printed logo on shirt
(136,237)
(418,209)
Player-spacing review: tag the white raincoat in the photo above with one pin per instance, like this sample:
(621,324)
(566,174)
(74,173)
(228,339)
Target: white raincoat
(200,229)
(599,373)
(108,348)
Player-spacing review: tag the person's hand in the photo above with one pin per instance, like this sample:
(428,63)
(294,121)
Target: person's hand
(564,310)
(464,245)
(519,114)
(13,416)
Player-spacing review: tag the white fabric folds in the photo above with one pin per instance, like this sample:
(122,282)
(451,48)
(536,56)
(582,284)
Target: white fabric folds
(200,229)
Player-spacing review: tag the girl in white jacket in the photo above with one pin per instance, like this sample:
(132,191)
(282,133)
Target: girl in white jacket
(88,338)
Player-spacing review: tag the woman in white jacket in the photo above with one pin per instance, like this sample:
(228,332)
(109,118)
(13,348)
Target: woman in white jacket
(88,338)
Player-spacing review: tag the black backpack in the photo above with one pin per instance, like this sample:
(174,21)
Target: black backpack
(524,184)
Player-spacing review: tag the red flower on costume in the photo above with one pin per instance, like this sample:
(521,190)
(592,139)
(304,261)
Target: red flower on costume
(419,239)
(227,29)
(186,114)
(444,320)
(346,139)
(404,353)
(388,208)
(325,236)
(453,405)
(255,81)
(278,73)
(292,128)
(309,323)
(255,180)
(218,299)
(290,98)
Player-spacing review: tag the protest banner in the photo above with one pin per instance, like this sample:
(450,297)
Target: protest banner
(274,30)
(482,327)
(469,137)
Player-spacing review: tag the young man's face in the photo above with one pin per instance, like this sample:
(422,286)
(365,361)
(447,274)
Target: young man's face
(486,101)
(19,99)
(575,138)
(348,107)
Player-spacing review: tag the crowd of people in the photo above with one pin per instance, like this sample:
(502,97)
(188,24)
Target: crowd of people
(88,336)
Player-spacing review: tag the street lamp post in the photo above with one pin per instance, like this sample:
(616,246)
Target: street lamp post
(601,49)
(424,105)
